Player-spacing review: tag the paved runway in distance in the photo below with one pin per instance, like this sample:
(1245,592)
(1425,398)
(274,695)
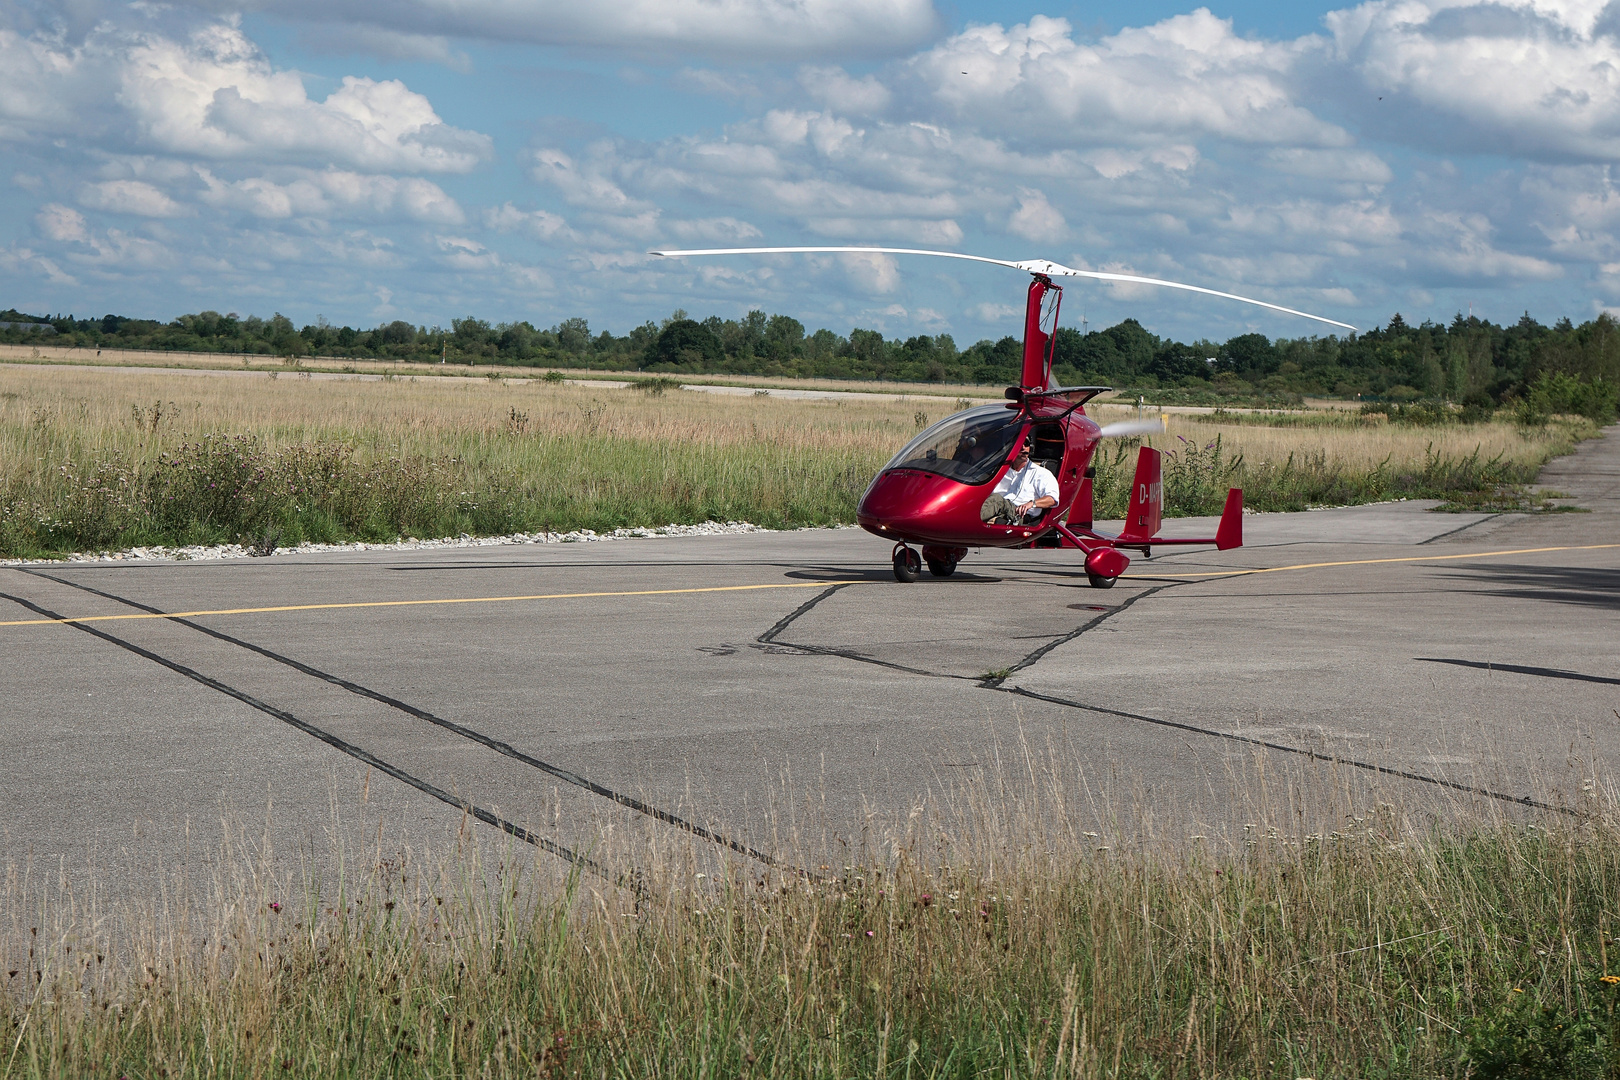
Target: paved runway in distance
(752,684)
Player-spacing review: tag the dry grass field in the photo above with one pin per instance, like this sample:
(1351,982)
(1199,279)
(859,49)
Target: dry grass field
(137,359)
(97,458)
(998,929)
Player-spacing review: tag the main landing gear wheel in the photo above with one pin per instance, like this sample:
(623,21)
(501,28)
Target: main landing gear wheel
(907,564)
(942,567)
(1100,582)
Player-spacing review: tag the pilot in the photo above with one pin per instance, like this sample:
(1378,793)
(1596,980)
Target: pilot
(970,450)
(1023,495)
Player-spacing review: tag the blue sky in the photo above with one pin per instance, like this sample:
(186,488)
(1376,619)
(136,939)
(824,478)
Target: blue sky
(516,159)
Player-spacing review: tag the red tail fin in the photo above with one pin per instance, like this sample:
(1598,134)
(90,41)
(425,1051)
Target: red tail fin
(1147,498)
(1229,534)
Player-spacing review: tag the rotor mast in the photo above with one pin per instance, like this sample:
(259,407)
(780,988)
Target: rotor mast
(1040,330)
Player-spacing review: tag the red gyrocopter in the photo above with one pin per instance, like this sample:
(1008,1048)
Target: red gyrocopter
(932,492)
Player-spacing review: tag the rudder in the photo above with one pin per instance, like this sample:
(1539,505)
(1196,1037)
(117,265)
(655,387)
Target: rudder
(1147,497)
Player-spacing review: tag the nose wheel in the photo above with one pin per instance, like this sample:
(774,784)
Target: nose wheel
(907,563)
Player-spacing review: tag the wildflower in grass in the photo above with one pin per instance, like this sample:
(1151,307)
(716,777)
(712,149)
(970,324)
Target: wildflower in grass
(1610,979)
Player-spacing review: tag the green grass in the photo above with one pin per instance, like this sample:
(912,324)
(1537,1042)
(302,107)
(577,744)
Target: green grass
(221,488)
(1197,477)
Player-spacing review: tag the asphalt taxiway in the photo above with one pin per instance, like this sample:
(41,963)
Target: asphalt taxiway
(732,689)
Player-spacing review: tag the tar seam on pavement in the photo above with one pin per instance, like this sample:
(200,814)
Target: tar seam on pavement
(1458,529)
(337,743)
(465,732)
(1544,672)
(995,683)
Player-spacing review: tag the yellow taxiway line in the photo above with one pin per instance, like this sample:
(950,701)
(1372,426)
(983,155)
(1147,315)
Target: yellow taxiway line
(753,588)
(1374,562)
(420,603)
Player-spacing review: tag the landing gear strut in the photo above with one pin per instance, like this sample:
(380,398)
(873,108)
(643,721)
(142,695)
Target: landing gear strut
(907,563)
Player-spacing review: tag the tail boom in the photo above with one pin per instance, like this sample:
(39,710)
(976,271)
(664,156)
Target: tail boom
(1145,515)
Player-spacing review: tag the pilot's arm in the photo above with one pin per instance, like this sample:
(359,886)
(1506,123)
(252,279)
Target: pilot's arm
(1046,491)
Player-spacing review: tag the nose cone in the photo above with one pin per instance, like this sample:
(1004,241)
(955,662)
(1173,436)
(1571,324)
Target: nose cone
(904,504)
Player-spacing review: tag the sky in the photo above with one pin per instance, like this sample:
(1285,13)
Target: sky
(517,159)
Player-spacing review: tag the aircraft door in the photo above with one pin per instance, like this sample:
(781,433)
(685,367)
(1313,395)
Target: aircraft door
(1047,448)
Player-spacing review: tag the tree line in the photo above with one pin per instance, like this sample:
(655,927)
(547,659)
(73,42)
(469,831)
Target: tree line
(1471,360)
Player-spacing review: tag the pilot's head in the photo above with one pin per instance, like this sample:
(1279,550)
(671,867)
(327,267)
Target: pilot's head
(1020,456)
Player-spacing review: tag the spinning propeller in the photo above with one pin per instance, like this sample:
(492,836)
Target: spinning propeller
(1038,267)
(1125,428)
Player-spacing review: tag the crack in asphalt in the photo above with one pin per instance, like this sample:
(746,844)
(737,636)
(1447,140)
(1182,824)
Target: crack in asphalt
(455,728)
(336,742)
(996,680)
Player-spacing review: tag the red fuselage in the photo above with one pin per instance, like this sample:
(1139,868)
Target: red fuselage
(931,493)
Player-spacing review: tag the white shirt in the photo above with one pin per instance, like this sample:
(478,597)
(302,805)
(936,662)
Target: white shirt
(1025,485)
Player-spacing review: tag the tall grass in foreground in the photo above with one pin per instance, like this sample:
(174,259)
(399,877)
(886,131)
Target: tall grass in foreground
(94,460)
(1004,942)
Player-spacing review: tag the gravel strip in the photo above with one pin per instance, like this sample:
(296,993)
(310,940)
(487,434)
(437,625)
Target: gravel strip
(239,551)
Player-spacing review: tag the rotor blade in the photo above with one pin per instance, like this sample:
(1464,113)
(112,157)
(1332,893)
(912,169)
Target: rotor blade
(1123,428)
(836,250)
(1029,266)
(1052,269)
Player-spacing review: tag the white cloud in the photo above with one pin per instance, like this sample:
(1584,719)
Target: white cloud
(1186,76)
(1539,78)
(1035,218)
(719,230)
(25,263)
(584,185)
(1459,245)
(1180,149)
(216,96)
(838,91)
(62,223)
(943,232)
(749,29)
(871,273)
(333,193)
(385,43)
(541,224)
(716,83)
(992,312)
(130,197)
(1349,166)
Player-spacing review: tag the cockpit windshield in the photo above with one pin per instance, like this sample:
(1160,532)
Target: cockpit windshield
(970,447)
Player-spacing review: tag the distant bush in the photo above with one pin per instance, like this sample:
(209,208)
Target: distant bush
(1555,392)
(1425,413)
